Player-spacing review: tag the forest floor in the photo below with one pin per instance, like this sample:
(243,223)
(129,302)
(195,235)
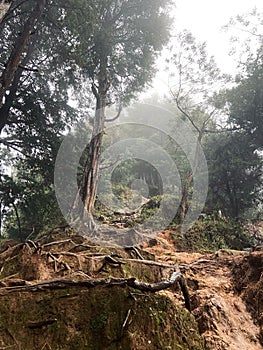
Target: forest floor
(225,287)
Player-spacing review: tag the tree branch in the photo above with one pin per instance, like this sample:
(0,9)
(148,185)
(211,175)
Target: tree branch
(116,117)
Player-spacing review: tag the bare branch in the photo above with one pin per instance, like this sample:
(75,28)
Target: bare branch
(116,117)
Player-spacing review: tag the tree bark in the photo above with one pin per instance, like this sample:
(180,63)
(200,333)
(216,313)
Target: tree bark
(16,55)
(185,198)
(91,170)
(18,222)
(188,181)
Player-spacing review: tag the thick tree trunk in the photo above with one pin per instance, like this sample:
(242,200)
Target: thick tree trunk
(91,174)
(14,59)
(91,171)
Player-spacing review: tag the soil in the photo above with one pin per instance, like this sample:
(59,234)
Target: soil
(43,304)
(226,293)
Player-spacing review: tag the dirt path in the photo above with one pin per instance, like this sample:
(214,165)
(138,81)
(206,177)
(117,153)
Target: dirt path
(220,312)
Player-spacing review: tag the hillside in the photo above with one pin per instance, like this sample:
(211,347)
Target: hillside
(63,292)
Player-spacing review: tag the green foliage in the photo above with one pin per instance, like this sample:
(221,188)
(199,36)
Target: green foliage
(211,234)
(62,59)
(128,34)
(34,199)
(245,102)
(235,170)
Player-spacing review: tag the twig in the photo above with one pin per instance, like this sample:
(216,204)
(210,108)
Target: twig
(7,347)
(28,242)
(13,337)
(108,260)
(70,254)
(116,117)
(126,319)
(136,251)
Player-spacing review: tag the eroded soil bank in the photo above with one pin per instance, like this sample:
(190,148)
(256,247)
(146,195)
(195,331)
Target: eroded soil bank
(65,293)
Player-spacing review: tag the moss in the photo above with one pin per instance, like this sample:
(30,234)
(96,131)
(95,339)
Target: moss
(94,319)
(165,325)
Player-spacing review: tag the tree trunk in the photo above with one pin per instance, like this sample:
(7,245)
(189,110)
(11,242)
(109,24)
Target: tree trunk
(14,59)
(18,222)
(91,171)
(185,198)
(186,185)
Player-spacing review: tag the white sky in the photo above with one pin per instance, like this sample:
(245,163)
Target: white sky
(205,18)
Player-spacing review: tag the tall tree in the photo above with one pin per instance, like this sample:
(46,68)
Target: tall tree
(244,102)
(20,45)
(118,58)
(234,160)
(35,110)
(194,79)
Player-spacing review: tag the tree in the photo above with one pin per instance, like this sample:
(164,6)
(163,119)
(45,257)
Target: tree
(20,45)
(30,204)
(235,174)
(243,103)
(38,93)
(194,79)
(235,161)
(118,59)
(35,110)
(111,44)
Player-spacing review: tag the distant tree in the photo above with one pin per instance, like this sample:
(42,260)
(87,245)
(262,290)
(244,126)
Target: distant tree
(28,203)
(235,159)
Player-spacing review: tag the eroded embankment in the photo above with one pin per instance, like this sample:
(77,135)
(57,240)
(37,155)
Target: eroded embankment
(84,308)
(60,295)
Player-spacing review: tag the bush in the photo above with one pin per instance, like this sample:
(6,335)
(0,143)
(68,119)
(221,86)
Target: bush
(210,235)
